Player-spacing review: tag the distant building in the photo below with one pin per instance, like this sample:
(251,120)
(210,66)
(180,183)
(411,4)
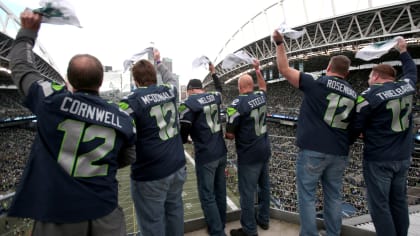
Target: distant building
(168,63)
(116,81)
(107,68)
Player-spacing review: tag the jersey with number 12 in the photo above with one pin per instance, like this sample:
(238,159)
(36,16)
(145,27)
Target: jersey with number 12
(159,147)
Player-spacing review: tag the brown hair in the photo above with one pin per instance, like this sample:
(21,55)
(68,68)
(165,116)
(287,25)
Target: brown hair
(144,73)
(385,71)
(340,64)
(85,72)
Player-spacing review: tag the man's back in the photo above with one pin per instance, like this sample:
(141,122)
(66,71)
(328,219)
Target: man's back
(203,112)
(389,134)
(74,156)
(247,116)
(159,147)
(325,112)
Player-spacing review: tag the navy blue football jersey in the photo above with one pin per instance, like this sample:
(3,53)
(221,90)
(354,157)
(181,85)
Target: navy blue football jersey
(70,175)
(247,120)
(202,111)
(159,147)
(325,114)
(383,115)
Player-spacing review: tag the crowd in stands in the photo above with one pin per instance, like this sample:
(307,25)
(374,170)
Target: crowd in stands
(11,104)
(15,145)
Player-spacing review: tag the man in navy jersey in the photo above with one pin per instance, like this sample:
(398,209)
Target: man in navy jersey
(159,172)
(200,118)
(322,137)
(383,116)
(69,185)
(247,125)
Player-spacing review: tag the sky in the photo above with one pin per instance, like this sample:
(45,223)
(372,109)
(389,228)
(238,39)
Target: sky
(181,29)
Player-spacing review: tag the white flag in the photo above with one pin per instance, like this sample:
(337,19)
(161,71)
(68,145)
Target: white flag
(136,57)
(376,50)
(201,61)
(234,59)
(290,33)
(58,12)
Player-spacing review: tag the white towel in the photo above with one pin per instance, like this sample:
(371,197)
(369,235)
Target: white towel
(376,50)
(58,12)
(202,61)
(136,57)
(234,59)
(290,33)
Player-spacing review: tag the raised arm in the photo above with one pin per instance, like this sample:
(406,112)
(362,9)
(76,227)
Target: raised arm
(291,74)
(262,85)
(408,65)
(185,117)
(216,79)
(22,58)
(167,76)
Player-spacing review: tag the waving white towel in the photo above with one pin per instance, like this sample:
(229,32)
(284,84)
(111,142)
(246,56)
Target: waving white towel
(202,61)
(58,12)
(234,59)
(136,57)
(376,50)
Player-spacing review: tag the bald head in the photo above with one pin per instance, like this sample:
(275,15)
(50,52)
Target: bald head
(245,84)
(85,72)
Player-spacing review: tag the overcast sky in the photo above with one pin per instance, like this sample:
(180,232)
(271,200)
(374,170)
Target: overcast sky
(181,29)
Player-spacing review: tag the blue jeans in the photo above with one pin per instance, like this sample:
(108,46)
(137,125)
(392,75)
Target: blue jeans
(211,184)
(386,183)
(159,205)
(311,167)
(254,179)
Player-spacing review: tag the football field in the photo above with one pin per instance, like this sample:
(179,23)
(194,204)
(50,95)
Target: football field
(192,208)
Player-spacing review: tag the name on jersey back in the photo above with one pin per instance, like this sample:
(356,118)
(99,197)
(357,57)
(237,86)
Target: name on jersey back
(79,108)
(392,93)
(341,87)
(157,97)
(256,101)
(206,99)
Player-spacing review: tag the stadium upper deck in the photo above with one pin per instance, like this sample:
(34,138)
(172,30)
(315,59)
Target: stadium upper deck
(345,33)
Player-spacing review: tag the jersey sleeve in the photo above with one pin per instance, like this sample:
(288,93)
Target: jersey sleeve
(233,115)
(126,107)
(306,81)
(186,117)
(409,67)
(38,91)
(363,110)
(217,83)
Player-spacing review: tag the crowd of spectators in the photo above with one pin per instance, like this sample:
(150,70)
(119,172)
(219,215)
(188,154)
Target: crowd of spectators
(11,104)
(15,145)
(282,173)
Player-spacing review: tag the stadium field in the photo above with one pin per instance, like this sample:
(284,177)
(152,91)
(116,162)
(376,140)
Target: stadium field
(192,207)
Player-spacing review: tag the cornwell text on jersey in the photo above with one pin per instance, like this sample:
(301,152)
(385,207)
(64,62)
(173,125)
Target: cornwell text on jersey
(85,110)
